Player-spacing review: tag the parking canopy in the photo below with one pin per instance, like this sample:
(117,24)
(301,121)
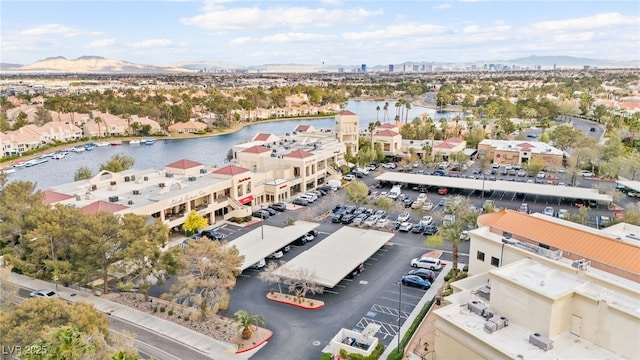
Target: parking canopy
(336,256)
(631,185)
(254,246)
(498,185)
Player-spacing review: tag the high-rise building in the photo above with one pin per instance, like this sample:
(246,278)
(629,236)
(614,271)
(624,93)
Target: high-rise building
(363,67)
(390,67)
(347,127)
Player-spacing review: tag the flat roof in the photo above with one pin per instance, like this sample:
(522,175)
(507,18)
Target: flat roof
(254,247)
(498,185)
(336,256)
(633,185)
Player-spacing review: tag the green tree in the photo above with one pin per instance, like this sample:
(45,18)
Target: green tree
(384,203)
(21,120)
(42,116)
(83,173)
(118,163)
(209,268)
(18,200)
(534,166)
(246,322)
(193,223)
(68,343)
(98,121)
(564,136)
(357,192)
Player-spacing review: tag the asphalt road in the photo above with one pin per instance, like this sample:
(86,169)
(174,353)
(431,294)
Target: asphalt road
(149,344)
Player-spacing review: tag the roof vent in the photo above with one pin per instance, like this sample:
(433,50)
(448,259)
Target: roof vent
(540,341)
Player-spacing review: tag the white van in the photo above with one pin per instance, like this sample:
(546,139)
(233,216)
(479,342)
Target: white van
(312,195)
(309,198)
(394,192)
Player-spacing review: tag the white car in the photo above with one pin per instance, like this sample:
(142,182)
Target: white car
(587,173)
(427,206)
(422,197)
(404,217)
(426,220)
(383,223)
(43,294)
(548,211)
(389,166)
(371,221)
(405,226)
(276,255)
(541,175)
(349,177)
(359,219)
(426,263)
(562,214)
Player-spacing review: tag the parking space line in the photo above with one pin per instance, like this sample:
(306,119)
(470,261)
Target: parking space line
(330,292)
(389,311)
(386,329)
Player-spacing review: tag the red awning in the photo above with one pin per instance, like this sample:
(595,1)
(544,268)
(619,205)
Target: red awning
(246,200)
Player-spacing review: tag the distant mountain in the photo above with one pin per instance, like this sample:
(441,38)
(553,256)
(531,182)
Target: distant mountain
(87,64)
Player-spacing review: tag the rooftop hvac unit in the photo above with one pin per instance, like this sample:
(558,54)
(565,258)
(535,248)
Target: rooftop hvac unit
(203,171)
(78,197)
(94,187)
(490,327)
(191,178)
(113,199)
(130,202)
(133,178)
(484,292)
(161,185)
(146,178)
(136,192)
(112,183)
(476,306)
(500,321)
(169,175)
(127,178)
(540,341)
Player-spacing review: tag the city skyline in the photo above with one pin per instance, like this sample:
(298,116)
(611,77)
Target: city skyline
(315,32)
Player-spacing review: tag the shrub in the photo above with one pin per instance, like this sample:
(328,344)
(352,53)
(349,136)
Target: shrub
(325,356)
(170,312)
(155,309)
(162,309)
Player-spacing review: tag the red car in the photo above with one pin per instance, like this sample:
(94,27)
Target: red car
(443,191)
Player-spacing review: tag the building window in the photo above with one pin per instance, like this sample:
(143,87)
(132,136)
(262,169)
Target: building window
(480,256)
(495,261)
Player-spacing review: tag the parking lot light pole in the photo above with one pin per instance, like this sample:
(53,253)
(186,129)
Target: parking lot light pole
(399,314)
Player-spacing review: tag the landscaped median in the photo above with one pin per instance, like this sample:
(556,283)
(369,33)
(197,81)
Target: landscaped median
(303,303)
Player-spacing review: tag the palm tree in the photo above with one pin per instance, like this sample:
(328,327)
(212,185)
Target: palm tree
(68,344)
(246,322)
(98,121)
(407,105)
(386,111)
(127,117)
(371,127)
(378,113)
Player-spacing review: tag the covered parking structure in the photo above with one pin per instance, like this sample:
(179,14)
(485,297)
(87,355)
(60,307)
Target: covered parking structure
(337,256)
(257,245)
(554,191)
(631,185)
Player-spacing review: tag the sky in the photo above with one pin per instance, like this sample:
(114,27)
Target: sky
(373,32)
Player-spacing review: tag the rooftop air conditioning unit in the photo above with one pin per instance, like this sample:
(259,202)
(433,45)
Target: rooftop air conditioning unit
(161,185)
(78,197)
(146,178)
(94,187)
(203,171)
(500,321)
(130,202)
(484,292)
(112,183)
(476,306)
(113,199)
(191,178)
(169,175)
(127,179)
(540,341)
(136,192)
(490,327)
(133,178)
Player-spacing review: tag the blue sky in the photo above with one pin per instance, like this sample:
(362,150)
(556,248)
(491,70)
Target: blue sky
(312,32)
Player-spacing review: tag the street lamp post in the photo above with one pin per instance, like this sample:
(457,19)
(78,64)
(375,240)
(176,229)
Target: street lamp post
(53,258)
(399,313)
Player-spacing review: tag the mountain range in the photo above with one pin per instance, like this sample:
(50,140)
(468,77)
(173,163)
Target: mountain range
(97,64)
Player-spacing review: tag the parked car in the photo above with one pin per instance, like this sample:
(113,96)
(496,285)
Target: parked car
(260,264)
(359,219)
(422,197)
(417,204)
(405,226)
(562,214)
(423,273)
(427,206)
(587,173)
(442,202)
(426,220)
(286,249)
(299,201)
(380,214)
(276,255)
(430,230)
(426,263)
(270,211)
(407,202)
(443,191)
(42,294)
(548,211)
(541,175)
(279,206)
(349,177)
(371,221)
(212,234)
(578,203)
(417,228)
(337,217)
(524,208)
(260,214)
(383,223)
(417,281)
(348,219)
(405,216)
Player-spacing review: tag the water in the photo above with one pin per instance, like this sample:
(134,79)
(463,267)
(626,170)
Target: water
(208,150)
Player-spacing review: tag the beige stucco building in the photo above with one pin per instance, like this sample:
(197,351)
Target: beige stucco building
(543,288)
(517,152)
(347,130)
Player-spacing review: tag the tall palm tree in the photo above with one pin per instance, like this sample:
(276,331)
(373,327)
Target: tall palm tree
(246,321)
(68,344)
(407,105)
(127,117)
(378,113)
(386,111)
(371,127)
(98,121)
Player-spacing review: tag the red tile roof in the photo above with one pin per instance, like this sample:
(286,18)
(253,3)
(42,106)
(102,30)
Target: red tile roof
(261,137)
(525,145)
(302,128)
(444,145)
(345,112)
(386,133)
(388,126)
(184,164)
(230,170)
(52,197)
(102,206)
(578,242)
(300,154)
(455,140)
(258,149)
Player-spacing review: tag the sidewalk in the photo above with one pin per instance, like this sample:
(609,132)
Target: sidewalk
(207,346)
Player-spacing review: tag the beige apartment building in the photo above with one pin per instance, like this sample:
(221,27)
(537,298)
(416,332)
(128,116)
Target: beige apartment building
(347,130)
(544,288)
(517,152)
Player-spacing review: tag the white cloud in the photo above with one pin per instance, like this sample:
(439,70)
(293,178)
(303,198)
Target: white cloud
(151,43)
(575,37)
(443,6)
(396,31)
(102,43)
(53,29)
(586,23)
(297,37)
(255,18)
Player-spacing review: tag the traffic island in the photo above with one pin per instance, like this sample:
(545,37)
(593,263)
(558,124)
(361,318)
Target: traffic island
(306,303)
(259,337)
